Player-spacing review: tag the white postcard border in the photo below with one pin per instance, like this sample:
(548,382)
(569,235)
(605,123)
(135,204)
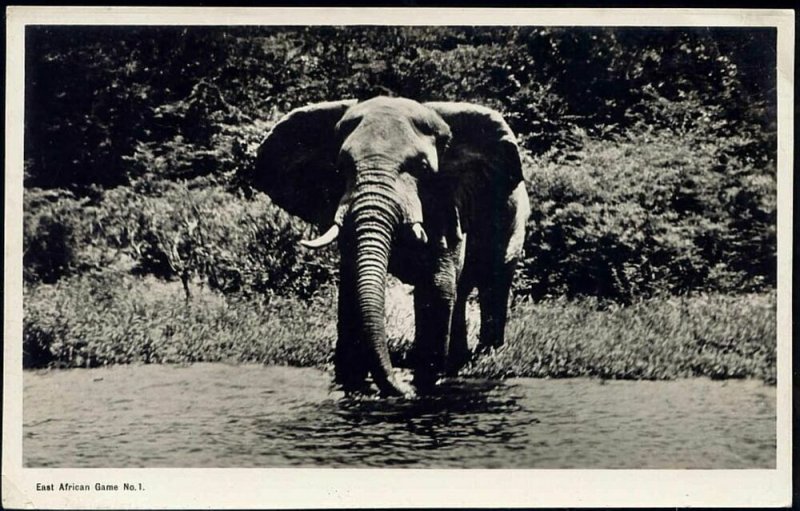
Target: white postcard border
(313,488)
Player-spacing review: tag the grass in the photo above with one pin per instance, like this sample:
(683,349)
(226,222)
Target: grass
(100,320)
(718,336)
(104,319)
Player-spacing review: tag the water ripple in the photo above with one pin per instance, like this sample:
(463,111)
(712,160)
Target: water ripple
(216,415)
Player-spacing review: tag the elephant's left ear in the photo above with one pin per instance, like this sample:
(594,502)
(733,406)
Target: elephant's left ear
(483,148)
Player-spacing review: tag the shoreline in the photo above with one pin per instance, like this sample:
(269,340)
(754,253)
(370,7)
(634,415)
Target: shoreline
(92,322)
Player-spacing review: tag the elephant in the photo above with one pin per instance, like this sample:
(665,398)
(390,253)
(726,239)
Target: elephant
(432,193)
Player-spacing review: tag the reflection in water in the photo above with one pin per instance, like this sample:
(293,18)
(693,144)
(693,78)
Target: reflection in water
(386,432)
(216,415)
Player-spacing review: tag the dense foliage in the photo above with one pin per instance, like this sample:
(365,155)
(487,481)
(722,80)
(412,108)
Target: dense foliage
(650,153)
(201,232)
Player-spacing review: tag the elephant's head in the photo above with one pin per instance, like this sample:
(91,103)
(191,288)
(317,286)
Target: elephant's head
(362,168)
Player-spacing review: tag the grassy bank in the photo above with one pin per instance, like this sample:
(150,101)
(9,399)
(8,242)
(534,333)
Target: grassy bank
(105,319)
(717,336)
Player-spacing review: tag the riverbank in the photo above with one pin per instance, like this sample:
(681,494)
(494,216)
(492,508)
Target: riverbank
(96,320)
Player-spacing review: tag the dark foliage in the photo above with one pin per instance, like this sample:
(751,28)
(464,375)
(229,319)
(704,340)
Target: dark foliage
(651,153)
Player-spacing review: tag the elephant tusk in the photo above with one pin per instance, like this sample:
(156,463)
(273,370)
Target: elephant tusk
(457,231)
(326,239)
(419,232)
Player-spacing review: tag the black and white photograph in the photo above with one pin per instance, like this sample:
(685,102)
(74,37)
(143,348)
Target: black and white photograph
(484,253)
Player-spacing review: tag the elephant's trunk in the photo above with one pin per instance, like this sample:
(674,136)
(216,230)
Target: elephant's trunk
(375,216)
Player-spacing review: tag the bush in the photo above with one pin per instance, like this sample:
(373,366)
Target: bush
(233,244)
(49,249)
(61,236)
(195,231)
(651,211)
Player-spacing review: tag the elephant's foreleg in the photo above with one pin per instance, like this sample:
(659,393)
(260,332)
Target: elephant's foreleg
(350,358)
(433,311)
(493,296)
(434,302)
(458,354)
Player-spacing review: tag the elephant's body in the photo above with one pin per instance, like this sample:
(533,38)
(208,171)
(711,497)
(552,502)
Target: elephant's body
(489,267)
(432,193)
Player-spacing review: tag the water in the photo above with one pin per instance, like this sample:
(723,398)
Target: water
(217,415)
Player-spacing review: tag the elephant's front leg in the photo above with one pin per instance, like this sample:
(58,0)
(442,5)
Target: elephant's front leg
(434,300)
(351,364)
(493,295)
(458,353)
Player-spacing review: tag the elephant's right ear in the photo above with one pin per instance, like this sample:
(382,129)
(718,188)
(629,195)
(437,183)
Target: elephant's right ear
(296,163)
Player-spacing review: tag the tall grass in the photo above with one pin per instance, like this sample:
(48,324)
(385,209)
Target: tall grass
(104,318)
(718,336)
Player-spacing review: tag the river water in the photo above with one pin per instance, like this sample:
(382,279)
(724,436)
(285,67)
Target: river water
(218,415)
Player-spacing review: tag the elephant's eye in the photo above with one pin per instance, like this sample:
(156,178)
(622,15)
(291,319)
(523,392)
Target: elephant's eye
(429,163)
(420,166)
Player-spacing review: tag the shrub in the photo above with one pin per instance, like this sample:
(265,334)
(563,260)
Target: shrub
(195,231)
(49,249)
(652,211)
(199,231)
(231,243)
(60,236)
